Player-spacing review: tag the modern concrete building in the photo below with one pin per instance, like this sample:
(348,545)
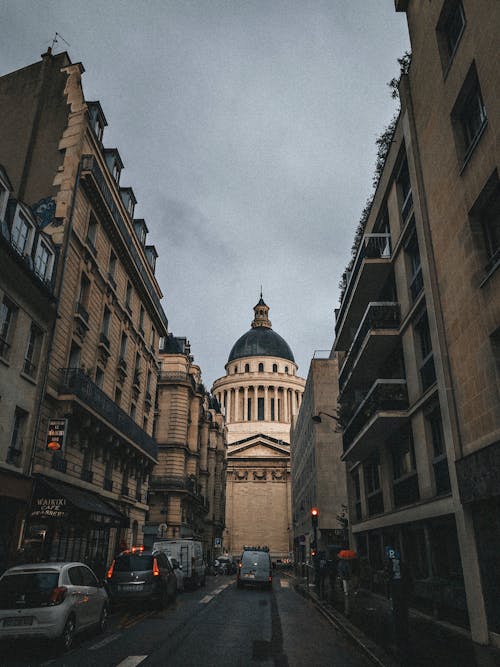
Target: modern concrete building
(318,474)
(418,327)
(260,394)
(187,488)
(27,314)
(95,450)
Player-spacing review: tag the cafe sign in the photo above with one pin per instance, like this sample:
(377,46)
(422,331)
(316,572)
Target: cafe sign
(50,508)
(56,434)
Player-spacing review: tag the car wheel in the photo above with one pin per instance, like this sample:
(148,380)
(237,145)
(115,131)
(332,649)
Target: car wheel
(103,620)
(67,637)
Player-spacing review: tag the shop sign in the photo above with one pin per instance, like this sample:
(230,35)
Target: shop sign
(50,508)
(56,434)
(217,541)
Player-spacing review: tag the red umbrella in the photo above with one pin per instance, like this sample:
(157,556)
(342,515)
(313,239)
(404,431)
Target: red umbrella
(347,554)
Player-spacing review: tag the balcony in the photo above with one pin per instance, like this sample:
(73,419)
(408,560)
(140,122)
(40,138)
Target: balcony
(176,377)
(59,464)
(371,267)
(105,199)
(87,475)
(76,383)
(382,411)
(376,337)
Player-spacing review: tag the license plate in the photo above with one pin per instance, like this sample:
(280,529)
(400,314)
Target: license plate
(131,588)
(16,622)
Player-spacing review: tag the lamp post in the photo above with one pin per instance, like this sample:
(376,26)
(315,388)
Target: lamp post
(317,418)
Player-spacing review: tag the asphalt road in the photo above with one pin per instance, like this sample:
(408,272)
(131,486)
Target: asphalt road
(218,625)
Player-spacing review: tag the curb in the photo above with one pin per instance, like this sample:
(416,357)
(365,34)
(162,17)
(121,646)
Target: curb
(374,652)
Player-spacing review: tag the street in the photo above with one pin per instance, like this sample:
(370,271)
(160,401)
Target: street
(215,625)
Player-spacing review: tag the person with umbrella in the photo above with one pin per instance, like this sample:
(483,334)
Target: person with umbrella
(347,570)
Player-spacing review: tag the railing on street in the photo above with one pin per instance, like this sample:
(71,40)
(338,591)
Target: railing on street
(75,381)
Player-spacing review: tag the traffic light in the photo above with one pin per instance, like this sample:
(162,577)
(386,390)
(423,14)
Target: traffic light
(314,516)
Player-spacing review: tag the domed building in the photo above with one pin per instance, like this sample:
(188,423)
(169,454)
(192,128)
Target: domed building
(260,395)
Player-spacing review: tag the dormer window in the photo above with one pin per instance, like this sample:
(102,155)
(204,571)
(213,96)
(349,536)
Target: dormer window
(141,230)
(114,163)
(22,233)
(44,260)
(129,200)
(97,119)
(152,256)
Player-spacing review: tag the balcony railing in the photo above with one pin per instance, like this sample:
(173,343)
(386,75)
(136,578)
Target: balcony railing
(74,381)
(378,315)
(89,164)
(177,376)
(372,246)
(87,475)
(384,396)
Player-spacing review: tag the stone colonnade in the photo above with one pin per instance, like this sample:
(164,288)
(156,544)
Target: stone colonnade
(259,402)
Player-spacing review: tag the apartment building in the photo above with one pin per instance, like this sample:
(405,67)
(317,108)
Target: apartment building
(95,448)
(318,476)
(27,314)
(419,324)
(187,488)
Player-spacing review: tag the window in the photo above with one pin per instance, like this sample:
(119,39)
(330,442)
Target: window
(286,370)
(439,459)
(405,193)
(261,368)
(118,396)
(74,356)
(485,222)
(427,369)
(7,319)
(83,298)
(32,350)
(137,368)
(44,259)
(374,497)
(152,339)
(148,382)
(92,233)
(260,409)
(4,197)
(99,377)
(106,321)
(469,116)
(275,368)
(415,266)
(88,459)
(133,411)
(272,410)
(123,346)
(403,457)
(449,29)
(249,408)
(141,320)
(16,439)
(112,269)
(22,233)
(247,368)
(128,297)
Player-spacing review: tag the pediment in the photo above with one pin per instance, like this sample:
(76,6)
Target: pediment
(258,447)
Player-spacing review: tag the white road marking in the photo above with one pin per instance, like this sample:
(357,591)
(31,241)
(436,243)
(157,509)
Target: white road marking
(206,599)
(108,640)
(132,661)
(284,584)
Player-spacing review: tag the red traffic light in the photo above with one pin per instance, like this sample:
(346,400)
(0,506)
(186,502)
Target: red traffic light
(314,511)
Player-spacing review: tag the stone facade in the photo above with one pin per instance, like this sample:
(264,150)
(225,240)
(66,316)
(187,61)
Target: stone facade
(318,474)
(260,395)
(102,367)
(187,488)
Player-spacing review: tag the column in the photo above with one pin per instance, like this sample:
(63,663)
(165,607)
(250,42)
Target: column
(245,404)
(266,403)
(228,406)
(275,403)
(256,402)
(285,405)
(237,404)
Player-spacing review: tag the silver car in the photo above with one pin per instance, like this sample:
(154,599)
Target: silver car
(51,600)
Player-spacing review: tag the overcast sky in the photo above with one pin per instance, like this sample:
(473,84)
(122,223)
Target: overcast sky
(247,130)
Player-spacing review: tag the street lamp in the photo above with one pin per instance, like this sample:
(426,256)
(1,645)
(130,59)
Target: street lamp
(317,419)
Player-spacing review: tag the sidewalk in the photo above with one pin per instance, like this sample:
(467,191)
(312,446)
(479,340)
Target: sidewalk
(369,624)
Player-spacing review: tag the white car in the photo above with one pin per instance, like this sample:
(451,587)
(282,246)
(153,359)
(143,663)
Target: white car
(177,568)
(51,600)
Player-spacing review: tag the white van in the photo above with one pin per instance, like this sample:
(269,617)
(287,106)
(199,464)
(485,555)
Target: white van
(189,555)
(255,569)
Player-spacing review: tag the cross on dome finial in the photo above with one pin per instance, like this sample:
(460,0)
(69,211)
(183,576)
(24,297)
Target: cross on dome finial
(261,310)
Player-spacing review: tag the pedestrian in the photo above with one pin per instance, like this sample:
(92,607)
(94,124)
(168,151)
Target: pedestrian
(344,573)
(399,591)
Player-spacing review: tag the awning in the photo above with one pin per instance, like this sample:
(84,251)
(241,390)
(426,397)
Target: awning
(57,500)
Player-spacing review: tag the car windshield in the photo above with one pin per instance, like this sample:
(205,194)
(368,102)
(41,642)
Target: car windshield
(27,589)
(133,563)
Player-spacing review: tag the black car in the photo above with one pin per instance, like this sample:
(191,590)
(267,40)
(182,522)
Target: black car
(139,575)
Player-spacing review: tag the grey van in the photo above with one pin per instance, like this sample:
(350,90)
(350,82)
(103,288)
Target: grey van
(255,569)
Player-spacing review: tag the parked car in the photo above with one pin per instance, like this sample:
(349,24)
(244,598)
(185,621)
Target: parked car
(177,568)
(137,574)
(51,600)
(255,569)
(189,554)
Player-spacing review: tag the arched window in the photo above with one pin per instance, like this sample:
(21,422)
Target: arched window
(286,369)
(275,368)
(247,368)
(261,368)
(235,369)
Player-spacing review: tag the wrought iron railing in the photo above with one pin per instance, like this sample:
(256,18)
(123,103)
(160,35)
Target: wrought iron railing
(89,164)
(384,395)
(75,381)
(177,376)
(378,315)
(372,246)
